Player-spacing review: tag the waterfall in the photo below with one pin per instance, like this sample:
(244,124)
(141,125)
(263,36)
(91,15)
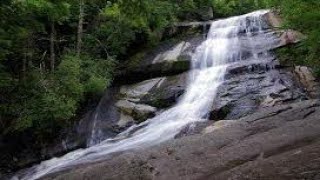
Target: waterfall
(209,65)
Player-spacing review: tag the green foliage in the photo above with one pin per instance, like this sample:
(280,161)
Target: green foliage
(235,7)
(112,37)
(30,97)
(191,10)
(67,77)
(124,21)
(96,74)
(303,16)
(57,10)
(45,103)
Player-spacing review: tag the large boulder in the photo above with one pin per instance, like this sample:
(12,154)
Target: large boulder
(287,36)
(305,76)
(280,142)
(169,58)
(138,112)
(160,92)
(135,92)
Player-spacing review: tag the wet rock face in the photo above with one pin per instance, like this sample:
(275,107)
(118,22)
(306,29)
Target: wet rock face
(280,142)
(245,93)
(258,80)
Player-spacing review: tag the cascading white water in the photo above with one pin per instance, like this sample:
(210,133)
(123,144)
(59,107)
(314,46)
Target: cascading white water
(209,65)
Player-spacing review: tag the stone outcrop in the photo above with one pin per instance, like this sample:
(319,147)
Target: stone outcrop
(159,92)
(308,81)
(139,112)
(280,142)
(287,36)
(169,58)
(248,88)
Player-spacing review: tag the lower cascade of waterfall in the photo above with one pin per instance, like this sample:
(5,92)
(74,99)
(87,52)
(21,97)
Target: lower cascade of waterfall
(222,47)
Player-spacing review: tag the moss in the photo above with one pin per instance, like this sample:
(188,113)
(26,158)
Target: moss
(290,55)
(221,113)
(161,103)
(136,60)
(176,66)
(141,117)
(298,55)
(182,63)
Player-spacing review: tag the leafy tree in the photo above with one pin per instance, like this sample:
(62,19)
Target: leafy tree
(53,12)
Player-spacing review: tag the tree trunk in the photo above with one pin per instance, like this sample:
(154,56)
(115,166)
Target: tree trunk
(52,53)
(24,66)
(80,27)
(42,64)
(25,60)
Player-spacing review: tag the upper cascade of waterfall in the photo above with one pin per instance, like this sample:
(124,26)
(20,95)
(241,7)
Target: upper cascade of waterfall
(209,63)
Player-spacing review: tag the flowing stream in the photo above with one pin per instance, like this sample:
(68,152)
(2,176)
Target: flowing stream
(209,64)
